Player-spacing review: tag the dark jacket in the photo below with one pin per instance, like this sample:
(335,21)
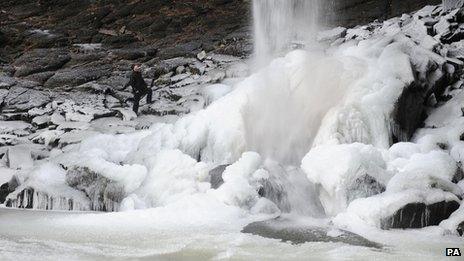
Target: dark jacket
(137,82)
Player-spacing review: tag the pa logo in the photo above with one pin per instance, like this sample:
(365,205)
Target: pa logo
(453,252)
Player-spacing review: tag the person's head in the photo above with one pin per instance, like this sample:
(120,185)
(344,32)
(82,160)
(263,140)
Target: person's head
(137,67)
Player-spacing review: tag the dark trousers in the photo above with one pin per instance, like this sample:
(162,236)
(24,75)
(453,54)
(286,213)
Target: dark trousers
(138,96)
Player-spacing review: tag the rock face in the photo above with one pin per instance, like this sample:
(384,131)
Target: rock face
(193,24)
(419,215)
(354,12)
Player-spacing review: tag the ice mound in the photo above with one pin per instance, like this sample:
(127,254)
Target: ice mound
(45,188)
(334,168)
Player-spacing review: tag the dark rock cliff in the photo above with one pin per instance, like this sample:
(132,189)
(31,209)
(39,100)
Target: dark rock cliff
(185,25)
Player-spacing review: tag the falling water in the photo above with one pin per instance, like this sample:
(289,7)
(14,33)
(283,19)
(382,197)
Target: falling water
(295,91)
(279,24)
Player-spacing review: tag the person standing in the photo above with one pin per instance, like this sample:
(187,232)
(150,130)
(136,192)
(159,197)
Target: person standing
(139,87)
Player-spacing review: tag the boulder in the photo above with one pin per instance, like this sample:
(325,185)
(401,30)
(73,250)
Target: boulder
(24,99)
(7,188)
(408,114)
(419,215)
(363,187)
(41,60)
(215,176)
(290,231)
(78,75)
(104,194)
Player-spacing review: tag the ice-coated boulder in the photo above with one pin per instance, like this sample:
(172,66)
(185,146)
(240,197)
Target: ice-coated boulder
(20,157)
(419,215)
(7,188)
(344,173)
(44,188)
(34,199)
(411,208)
(104,194)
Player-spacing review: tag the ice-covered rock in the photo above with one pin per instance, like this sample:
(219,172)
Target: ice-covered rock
(419,215)
(41,121)
(7,188)
(452,4)
(45,188)
(19,157)
(14,127)
(215,91)
(407,209)
(359,171)
(126,114)
(201,55)
(104,194)
(331,35)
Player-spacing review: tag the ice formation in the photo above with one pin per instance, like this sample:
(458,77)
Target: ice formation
(310,133)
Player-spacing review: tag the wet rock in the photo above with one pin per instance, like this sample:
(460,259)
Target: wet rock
(419,215)
(41,60)
(408,114)
(215,176)
(104,194)
(289,231)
